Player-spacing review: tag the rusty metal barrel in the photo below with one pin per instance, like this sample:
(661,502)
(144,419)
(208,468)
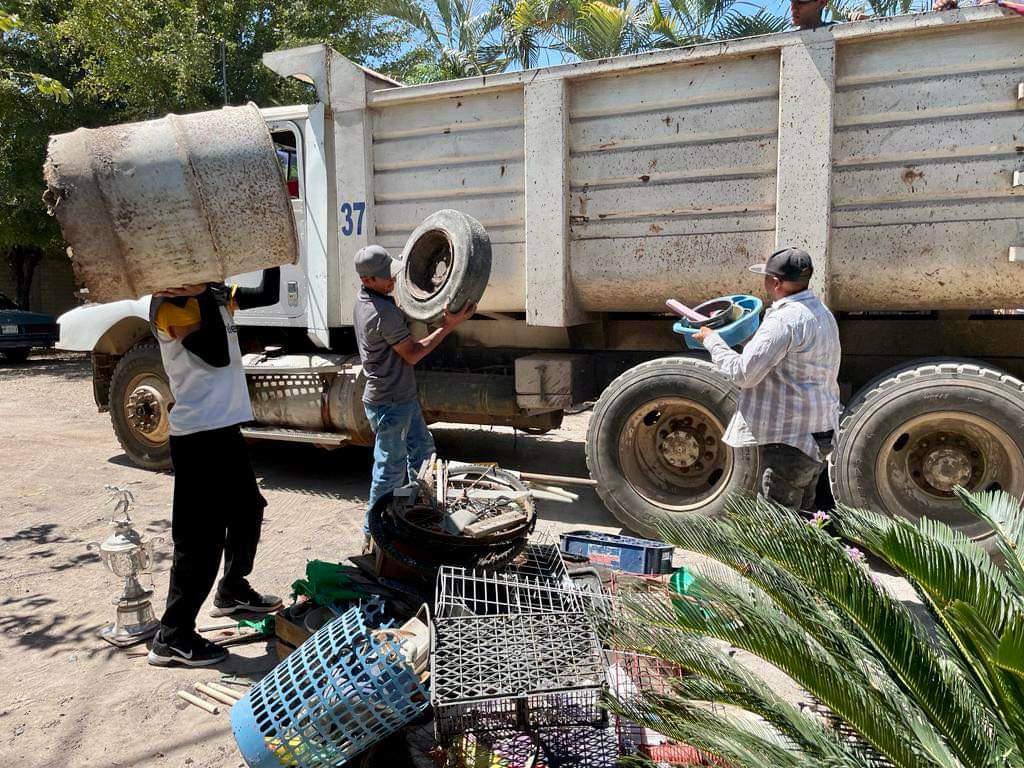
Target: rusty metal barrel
(181,200)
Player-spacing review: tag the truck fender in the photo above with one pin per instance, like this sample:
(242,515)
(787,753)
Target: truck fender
(110,329)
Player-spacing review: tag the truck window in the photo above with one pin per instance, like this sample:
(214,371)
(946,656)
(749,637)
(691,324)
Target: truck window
(284,143)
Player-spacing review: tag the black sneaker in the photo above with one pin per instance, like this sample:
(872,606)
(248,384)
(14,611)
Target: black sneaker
(244,599)
(194,651)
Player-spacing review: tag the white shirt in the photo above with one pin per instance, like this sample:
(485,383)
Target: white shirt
(787,376)
(205,397)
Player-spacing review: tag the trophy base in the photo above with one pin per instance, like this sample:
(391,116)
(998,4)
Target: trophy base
(125,637)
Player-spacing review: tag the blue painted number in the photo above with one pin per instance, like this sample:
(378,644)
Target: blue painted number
(349,225)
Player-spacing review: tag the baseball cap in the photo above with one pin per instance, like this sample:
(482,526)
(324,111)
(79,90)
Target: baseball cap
(791,264)
(373,261)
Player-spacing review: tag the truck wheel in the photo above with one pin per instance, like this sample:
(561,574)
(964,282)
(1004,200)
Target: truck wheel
(655,447)
(19,355)
(447,260)
(907,439)
(139,400)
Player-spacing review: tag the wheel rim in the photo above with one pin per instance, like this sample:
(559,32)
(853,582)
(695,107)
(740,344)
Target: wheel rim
(145,408)
(671,453)
(430,262)
(921,461)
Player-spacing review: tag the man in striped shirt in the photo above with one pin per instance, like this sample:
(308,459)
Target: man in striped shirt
(788,402)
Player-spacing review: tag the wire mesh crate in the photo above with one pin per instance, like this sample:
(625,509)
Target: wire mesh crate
(510,654)
(566,747)
(540,559)
(630,675)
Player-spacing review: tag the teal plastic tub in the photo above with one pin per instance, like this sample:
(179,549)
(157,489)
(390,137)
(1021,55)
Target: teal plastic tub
(734,333)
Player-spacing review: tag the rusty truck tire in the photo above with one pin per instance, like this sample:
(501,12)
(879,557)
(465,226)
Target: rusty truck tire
(447,260)
(909,437)
(139,395)
(654,444)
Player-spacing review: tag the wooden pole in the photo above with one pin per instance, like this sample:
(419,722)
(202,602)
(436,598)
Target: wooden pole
(203,704)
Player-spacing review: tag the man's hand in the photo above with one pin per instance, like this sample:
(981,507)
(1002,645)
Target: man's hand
(703,334)
(452,320)
(183,290)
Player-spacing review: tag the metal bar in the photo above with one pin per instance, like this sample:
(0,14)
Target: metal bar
(294,436)
(557,479)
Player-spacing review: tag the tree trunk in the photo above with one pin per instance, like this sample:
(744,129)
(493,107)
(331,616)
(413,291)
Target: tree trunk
(22,261)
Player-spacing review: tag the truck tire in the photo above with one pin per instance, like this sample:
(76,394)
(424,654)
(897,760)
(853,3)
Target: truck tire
(139,400)
(654,444)
(19,355)
(447,260)
(908,438)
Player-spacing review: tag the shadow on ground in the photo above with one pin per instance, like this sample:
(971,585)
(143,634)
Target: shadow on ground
(67,365)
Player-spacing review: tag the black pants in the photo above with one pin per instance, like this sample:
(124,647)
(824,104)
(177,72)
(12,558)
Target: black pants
(789,476)
(218,510)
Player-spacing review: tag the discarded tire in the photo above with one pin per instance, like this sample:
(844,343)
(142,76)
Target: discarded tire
(447,260)
(913,434)
(654,444)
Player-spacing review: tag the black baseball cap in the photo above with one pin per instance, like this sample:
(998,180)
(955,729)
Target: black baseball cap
(790,264)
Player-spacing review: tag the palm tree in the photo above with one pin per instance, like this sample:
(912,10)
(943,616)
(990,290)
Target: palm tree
(687,22)
(895,691)
(460,35)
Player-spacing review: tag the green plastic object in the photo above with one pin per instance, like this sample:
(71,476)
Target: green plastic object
(681,581)
(264,626)
(327,583)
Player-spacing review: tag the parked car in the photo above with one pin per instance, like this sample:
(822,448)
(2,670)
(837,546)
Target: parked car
(20,331)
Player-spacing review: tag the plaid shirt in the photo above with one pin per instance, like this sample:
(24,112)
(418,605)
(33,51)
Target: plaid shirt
(786,376)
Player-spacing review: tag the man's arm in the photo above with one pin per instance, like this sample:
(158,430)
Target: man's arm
(412,351)
(764,352)
(266,294)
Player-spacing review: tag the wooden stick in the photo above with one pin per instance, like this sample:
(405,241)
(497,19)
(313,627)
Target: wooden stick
(213,709)
(558,479)
(215,627)
(234,694)
(216,695)
(250,637)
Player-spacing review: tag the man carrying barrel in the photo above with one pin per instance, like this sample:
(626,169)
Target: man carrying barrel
(388,353)
(788,402)
(218,508)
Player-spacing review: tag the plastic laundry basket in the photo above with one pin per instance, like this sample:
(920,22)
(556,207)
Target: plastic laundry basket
(344,689)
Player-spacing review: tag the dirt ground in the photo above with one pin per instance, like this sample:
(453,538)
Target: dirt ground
(69,699)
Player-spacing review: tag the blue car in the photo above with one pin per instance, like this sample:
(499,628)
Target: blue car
(20,331)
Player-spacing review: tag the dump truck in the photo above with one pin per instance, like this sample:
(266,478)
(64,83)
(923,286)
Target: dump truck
(891,149)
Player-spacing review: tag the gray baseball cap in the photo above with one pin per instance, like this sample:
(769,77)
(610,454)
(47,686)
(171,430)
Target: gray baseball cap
(792,264)
(374,261)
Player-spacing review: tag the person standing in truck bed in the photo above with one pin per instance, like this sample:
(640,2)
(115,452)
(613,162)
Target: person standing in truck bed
(788,402)
(218,508)
(388,353)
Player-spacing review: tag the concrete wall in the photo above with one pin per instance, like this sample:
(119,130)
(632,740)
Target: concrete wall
(53,285)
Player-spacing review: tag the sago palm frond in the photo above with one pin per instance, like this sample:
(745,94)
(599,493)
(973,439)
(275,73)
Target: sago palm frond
(900,693)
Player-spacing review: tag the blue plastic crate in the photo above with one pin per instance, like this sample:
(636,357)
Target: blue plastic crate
(624,553)
(735,332)
(343,690)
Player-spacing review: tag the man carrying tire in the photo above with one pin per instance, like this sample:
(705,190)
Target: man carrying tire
(388,353)
(218,508)
(788,402)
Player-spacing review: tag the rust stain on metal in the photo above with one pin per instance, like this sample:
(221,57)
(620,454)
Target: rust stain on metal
(910,175)
(645,178)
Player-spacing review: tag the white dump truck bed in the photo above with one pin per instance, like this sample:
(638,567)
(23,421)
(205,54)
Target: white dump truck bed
(892,149)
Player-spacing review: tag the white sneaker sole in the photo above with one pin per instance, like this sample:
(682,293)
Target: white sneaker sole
(167,661)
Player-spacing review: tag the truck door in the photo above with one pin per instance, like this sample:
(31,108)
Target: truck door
(291,305)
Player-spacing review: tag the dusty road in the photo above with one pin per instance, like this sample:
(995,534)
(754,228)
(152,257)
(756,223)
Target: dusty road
(66,697)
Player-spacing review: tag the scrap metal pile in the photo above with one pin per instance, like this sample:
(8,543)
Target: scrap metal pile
(503,665)
(468,515)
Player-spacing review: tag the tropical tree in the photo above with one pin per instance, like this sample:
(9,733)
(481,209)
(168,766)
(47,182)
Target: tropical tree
(462,35)
(688,22)
(889,688)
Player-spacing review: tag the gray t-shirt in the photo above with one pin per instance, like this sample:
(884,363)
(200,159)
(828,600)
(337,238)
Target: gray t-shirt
(379,325)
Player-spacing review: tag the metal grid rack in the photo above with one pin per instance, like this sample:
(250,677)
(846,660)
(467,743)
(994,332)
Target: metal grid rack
(573,747)
(629,674)
(540,559)
(512,654)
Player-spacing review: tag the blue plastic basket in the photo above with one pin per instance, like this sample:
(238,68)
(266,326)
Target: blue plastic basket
(340,692)
(735,332)
(625,553)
